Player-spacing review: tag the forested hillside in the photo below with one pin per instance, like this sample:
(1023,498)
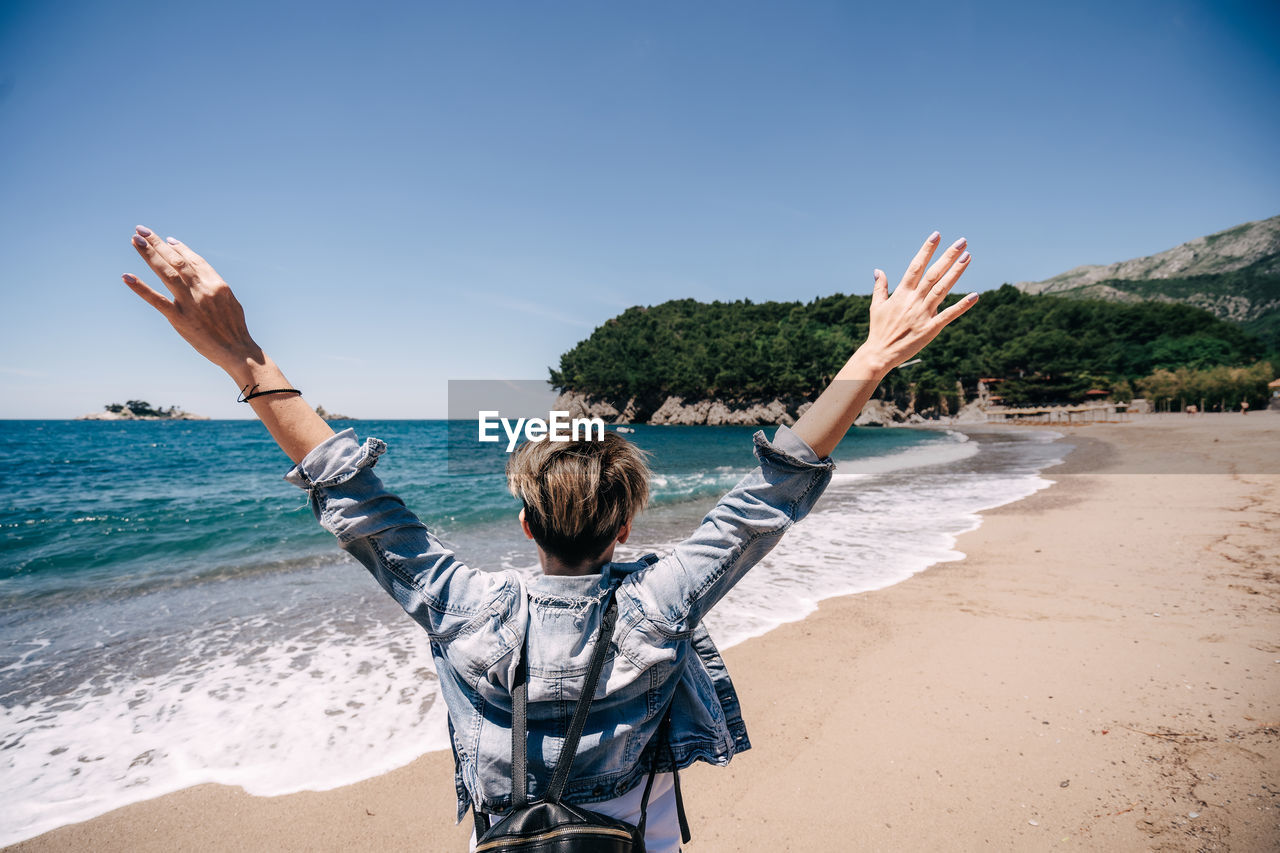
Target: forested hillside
(1249,296)
(1045,348)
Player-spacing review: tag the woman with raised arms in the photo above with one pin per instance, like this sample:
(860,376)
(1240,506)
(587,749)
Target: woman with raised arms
(663,699)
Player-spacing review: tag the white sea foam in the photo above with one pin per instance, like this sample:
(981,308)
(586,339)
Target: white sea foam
(864,537)
(674,486)
(329,701)
(920,456)
(311,713)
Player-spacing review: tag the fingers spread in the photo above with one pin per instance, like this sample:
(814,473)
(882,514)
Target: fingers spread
(944,263)
(956,310)
(950,277)
(916,269)
(151,297)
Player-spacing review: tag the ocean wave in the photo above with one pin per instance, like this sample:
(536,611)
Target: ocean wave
(309,712)
(665,488)
(921,456)
(867,537)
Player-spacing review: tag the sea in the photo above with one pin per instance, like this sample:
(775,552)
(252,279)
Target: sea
(172,614)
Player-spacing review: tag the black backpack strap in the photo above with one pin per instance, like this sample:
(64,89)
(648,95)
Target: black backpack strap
(664,736)
(482,822)
(571,738)
(520,735)
(653,769)
(685,835)
(519,743)
(644,801)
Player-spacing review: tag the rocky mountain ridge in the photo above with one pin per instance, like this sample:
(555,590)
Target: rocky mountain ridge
(1233,274)
(1252,245)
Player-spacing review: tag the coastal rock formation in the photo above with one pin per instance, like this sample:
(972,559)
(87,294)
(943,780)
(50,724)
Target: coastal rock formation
(880,413)
(972,412)
(675,410)
(580,405)
(718,412)
(140,410)
(127,415)
(332,416)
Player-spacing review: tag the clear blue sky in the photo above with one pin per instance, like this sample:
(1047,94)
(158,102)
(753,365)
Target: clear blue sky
(406,193)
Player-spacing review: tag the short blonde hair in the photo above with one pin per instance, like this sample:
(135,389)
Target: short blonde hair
(577,495)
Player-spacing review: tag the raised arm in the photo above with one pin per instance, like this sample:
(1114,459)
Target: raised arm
(205,312)
(794,469)
(901,325)
(348,499)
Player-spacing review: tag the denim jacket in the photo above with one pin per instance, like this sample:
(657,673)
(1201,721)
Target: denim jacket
(478,621)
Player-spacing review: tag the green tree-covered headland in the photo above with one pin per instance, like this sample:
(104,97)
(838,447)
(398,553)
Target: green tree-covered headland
(1198,324)
(1042,349)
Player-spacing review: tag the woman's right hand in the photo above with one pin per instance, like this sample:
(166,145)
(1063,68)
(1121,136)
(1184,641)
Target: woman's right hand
(203,309)
(209,317)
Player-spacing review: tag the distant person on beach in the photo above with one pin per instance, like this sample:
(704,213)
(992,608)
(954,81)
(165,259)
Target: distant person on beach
(665,699)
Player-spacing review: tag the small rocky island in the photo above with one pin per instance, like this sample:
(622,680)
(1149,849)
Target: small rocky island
(140,410)
(332,416)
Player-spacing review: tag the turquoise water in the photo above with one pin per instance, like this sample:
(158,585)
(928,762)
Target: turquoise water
(172,614)
(113,508)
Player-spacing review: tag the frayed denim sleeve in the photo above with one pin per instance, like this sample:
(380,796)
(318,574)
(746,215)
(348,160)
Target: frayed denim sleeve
(374,526)
(679,589)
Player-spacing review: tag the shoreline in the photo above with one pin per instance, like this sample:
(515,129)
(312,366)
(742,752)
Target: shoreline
(83,752)
(898,646)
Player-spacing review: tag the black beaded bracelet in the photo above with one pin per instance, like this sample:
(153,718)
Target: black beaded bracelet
(254,392)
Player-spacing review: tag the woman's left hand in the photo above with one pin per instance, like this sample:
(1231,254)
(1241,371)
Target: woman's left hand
(903,322)
(203,309)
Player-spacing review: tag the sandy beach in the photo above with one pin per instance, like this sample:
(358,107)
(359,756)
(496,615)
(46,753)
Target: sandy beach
(1101,672)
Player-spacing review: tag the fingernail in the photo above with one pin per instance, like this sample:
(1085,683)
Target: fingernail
(171,241)
(972,297)
(933,238)
(957,244)
(876,273)
(131,278)
(144,231)
(139,242)
(964,259)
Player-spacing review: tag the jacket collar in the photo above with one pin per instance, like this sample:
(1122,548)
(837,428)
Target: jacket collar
(588,585)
